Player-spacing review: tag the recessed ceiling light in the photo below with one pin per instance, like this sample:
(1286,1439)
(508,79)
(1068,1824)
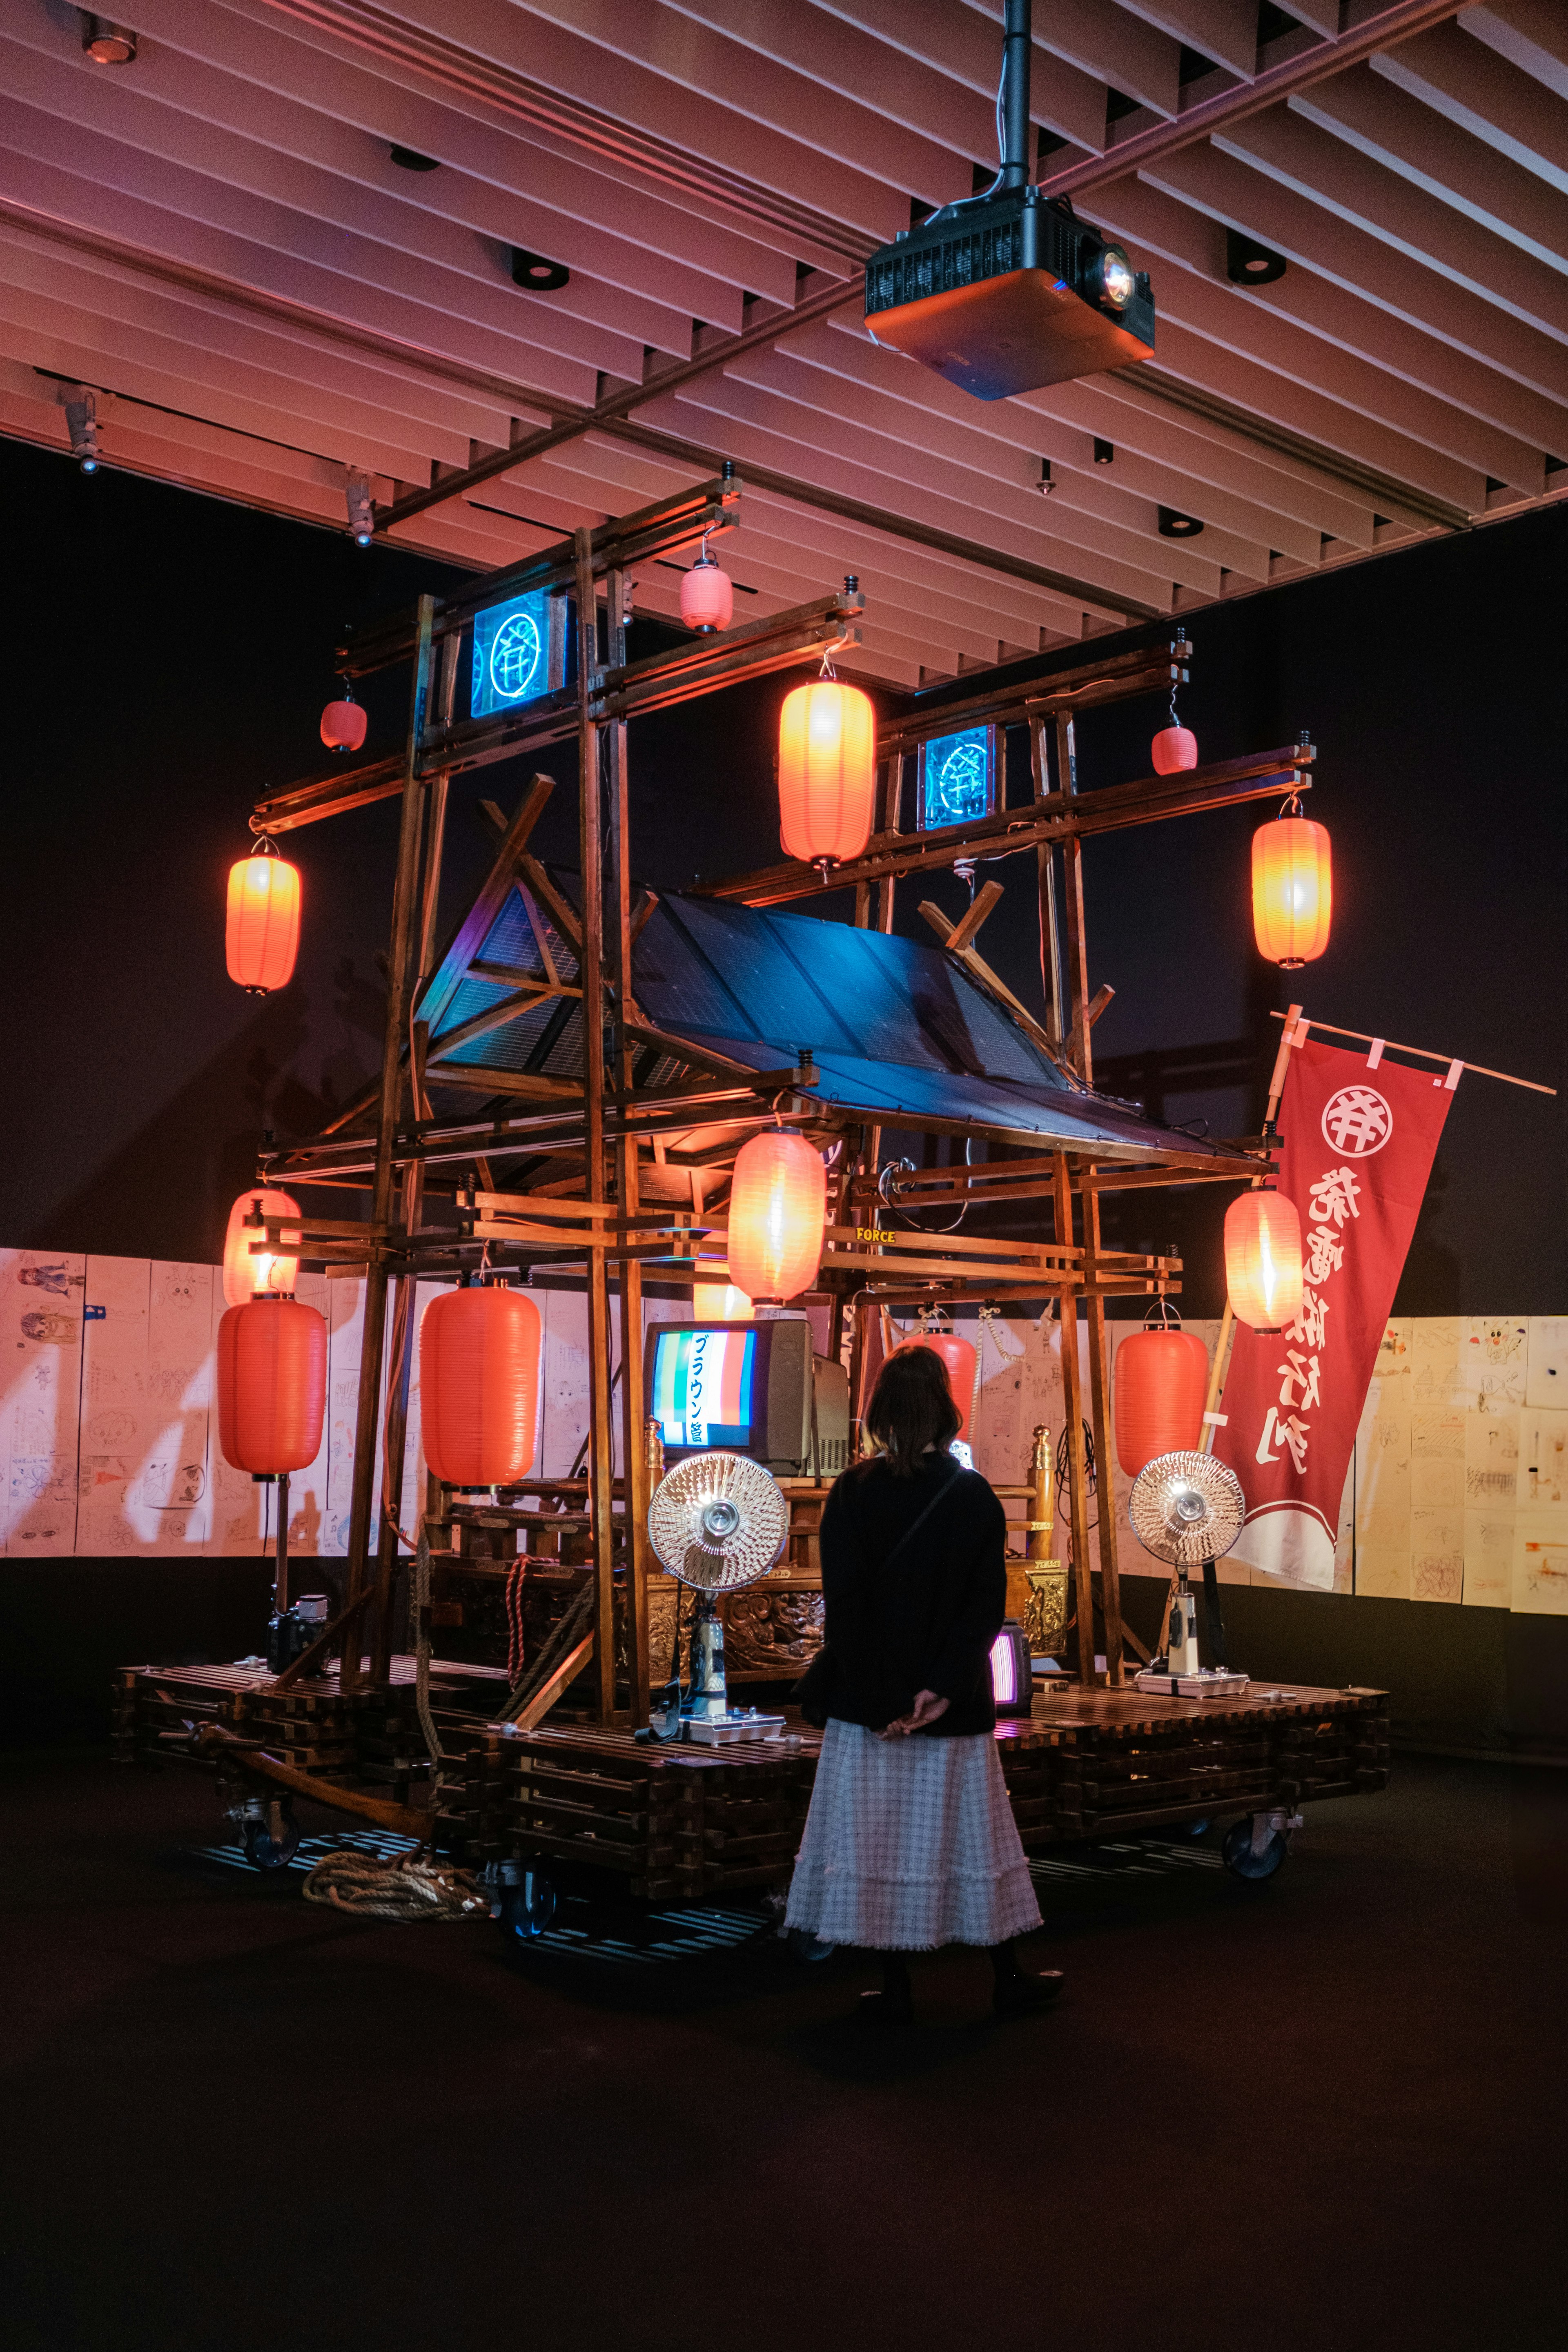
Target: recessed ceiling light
(410,160)
(535,274)
(1173,525)
(1248,263)
(106,44)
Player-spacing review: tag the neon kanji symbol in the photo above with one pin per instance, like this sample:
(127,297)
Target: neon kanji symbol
(1358,1121)
(1299,1371)
(1311,1323)
(1283,1430)
(1335,1196)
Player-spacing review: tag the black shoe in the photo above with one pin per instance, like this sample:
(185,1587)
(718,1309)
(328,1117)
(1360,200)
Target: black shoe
(884,2009)
(1021,1995)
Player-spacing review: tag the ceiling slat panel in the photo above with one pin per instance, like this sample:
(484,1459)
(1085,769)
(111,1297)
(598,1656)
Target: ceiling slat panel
(1375,364)
(79,94)
(1061,98)
(323,110)
(1485,96)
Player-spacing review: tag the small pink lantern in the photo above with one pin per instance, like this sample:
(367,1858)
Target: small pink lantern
(707,594)
(1174,749)
(343,723)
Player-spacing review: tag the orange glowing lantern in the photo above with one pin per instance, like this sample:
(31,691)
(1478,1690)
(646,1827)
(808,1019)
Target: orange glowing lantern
(778,1212)
(1293,890)
(1162,1377)
(478,1385)
(1174,749)
(707,594)
(960,1362)
(262,937)
(343,724)
(719,1302)
(1263,1260)
(271,1386)
(267,1272)
(827,772)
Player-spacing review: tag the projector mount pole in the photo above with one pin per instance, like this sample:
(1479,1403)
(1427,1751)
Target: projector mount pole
(1015,60)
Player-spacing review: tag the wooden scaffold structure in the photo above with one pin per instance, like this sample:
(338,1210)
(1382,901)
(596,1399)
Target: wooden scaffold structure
(542,1107)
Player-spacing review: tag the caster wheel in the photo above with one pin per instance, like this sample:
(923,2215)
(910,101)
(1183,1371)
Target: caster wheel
(808,1948)
(1243,1860)
(264,1851)
(527,1907)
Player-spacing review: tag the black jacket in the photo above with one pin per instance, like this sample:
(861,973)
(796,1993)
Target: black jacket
(927,1620)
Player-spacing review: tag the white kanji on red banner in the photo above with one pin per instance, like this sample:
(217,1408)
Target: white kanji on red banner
(1355,1163)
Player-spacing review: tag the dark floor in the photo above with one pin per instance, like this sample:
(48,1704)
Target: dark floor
(1325,2112)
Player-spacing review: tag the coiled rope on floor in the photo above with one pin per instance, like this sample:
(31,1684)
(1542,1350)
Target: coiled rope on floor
(408,1887)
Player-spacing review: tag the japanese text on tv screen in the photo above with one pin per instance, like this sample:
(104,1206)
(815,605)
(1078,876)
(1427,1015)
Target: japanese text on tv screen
(702,1386)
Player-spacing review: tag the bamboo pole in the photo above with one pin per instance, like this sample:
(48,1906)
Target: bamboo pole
(590,975)
(374,1324)
(634,1412)
(1078,1469)
(1422,1053)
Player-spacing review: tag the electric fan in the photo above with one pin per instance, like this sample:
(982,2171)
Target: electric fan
(718,1521)
(1186,1508)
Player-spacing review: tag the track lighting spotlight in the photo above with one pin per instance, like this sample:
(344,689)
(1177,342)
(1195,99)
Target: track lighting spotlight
(81,422)
(1045,485)
(106,44)
(361,513)
(1104,451)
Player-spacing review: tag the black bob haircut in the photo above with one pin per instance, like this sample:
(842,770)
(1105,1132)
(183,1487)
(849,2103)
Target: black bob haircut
(912,1409)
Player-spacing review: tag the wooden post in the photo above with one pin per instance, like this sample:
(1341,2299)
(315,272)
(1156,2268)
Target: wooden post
(601,1443)
(400,1361)
(1078,1472)
(1099,1402)
(398,974)
(1076,1028)
(628,1196)
(1045,861)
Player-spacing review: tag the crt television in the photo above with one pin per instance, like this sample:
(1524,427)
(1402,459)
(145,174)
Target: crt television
(749,1388)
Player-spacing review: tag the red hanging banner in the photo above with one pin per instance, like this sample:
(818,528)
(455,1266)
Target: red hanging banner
(1360,1134)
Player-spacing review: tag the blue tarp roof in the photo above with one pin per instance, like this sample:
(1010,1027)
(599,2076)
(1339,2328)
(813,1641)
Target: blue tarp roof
(900,1030)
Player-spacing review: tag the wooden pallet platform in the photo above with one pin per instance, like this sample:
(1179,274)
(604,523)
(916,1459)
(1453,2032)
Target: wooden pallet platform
(680,1821)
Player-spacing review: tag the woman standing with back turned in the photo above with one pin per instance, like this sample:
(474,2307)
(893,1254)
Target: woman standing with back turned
(910,1842)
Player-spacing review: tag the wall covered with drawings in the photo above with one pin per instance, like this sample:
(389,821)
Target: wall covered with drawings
(1459,1486)
(108,1412)
(1458,1491)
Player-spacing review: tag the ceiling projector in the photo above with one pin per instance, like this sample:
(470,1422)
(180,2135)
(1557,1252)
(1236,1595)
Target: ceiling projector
(1009,290)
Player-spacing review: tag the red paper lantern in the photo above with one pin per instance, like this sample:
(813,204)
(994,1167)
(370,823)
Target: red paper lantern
(706,595)
(247,1275)
(262,937)
(827,772)
(1162,1379)
(1263,1260)
(778,1212)
(1293,890)
(958,1362)
(271,1386)
(343,725)
(1174,749)
(478,1385)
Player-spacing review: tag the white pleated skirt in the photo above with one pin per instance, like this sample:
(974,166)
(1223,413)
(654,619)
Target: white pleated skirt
(911,1843)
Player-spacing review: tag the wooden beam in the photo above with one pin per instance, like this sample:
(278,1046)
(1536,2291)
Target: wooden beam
(477,924)
(1059,816)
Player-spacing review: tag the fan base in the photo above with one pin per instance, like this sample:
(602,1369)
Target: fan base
(1209,1682)
(723,1730)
